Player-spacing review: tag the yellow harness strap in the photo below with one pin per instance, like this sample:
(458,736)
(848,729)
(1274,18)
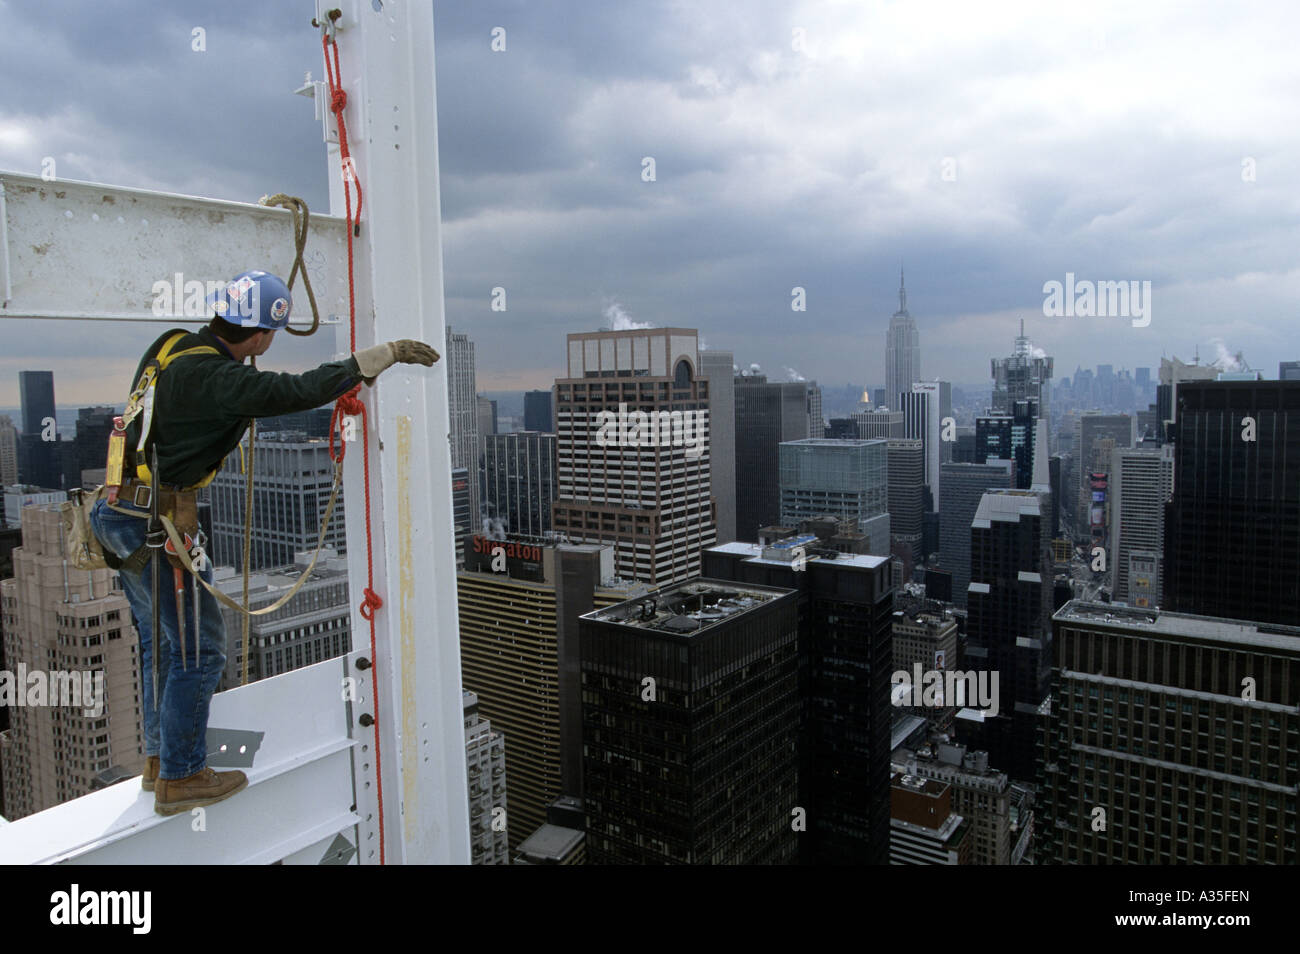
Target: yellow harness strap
(142,397)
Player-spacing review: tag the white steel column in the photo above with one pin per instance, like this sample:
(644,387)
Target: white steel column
(386,49)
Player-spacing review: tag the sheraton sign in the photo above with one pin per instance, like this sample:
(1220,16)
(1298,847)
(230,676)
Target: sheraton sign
(511,551)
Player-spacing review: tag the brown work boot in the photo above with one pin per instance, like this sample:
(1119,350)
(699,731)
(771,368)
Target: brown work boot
(150,773)
(206,787)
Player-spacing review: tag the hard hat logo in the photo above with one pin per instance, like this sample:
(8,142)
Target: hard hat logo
(254,299)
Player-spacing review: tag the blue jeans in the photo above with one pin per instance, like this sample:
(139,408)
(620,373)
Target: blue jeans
(176,731)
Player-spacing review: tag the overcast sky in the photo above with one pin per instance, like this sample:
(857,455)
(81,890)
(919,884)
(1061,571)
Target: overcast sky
(990,148)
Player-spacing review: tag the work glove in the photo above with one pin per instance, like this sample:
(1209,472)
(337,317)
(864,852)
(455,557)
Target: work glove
(372,361)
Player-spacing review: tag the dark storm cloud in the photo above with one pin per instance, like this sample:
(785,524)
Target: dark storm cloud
(1108,142)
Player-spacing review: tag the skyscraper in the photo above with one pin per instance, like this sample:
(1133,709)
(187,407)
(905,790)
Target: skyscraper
(462,410)
(39,463)
(519,476)
(767,415)
(537,412)
(519,653)
(8,452)
(718,368)
(880,423)
(292,481)
(94,425)
(632,451)
(690,726)
(843,479)
(1150,724)
(902,350)
(923,420)
(68,630)
(1009,605)
(1010,436)
(845,648)
(486,773)
(460,512)
(1233,523)
(966,485)
(1025,375)
(487,417)
(905,475)
(1141,482)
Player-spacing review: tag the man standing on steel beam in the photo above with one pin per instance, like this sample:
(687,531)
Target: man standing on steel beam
(193,400)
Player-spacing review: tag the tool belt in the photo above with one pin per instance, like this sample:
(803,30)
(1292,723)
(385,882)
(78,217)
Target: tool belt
(181,507)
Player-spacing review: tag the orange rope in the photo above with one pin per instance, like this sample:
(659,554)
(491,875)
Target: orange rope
(350,403)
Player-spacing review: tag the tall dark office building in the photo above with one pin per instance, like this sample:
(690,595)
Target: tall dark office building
(90,446)
(1008,631)
(767,415)
(965,486)
(39,463)
(36,390)
(690,704)
(1147,722)
(537,412)
(1233,524)
(519,477)
(846,605)
(905,477)
(1009,436)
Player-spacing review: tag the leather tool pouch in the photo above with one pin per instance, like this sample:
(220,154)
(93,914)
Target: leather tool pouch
(183,509)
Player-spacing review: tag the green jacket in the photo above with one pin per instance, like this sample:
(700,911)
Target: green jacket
(203,404)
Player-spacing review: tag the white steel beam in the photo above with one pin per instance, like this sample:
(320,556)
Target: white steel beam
(90,252)
(387,57)
(299,797)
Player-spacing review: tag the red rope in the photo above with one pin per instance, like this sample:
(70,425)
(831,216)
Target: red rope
(350,403)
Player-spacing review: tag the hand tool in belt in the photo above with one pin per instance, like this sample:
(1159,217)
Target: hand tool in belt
(154,538)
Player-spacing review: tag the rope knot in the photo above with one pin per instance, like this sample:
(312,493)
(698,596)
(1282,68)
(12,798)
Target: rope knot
(338,100)
(351,404)
(370,603)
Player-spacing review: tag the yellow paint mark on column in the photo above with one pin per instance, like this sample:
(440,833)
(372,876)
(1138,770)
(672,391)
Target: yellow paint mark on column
(406,623)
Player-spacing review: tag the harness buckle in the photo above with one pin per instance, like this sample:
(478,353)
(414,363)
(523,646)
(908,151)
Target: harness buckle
(147,492)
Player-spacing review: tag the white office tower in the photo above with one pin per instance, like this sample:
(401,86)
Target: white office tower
(1142,480)
(485,755)
(923,415)
(902,350)
(462,411)
(632,442)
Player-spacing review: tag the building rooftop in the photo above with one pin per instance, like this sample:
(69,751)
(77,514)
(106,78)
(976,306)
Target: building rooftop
(551,841)
(754,552)
(687,609)
(1163,622)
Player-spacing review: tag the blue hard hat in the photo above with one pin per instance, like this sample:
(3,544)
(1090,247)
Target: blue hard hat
(253,299)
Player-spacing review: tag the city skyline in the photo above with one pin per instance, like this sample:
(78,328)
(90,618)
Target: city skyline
(542,148)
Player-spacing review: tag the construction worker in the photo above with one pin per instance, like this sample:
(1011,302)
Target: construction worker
(198,403)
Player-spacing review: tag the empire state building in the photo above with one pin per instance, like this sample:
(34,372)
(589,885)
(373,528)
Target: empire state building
(902,351)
